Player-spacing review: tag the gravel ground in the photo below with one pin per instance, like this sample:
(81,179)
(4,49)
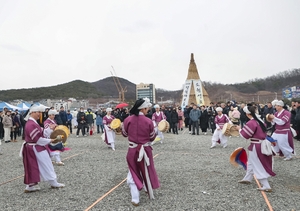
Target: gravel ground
(192,176)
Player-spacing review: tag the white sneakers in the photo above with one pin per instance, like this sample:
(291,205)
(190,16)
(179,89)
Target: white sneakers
(59,185)
(77,136)
(31,189)
(213,146)
(287,159)
(264,189)
(60,163)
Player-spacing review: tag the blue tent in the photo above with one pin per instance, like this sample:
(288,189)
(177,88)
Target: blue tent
(9,106)
(24,106)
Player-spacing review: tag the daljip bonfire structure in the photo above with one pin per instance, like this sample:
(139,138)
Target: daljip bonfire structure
(193,90)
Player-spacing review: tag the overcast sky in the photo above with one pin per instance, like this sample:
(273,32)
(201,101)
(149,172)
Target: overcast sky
(45,43)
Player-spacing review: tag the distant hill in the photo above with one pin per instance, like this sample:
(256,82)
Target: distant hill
(253,90)
(77,89)
(108,88)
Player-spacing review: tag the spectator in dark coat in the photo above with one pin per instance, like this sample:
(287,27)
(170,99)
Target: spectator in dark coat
(82,124)
(186,115)
(1,126)
(189,119)
(174,121)
(16,125)
(293,115)
(63,116)
(243,118)
(125,114)
(268,110)
(297,119)
(89,119)
(168,117)
(204,120)
(211,112)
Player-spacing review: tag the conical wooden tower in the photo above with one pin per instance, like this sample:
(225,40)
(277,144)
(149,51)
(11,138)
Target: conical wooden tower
(194,91)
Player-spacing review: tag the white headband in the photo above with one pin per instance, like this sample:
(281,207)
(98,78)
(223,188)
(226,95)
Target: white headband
(246,110)
(146,103)
(36,108)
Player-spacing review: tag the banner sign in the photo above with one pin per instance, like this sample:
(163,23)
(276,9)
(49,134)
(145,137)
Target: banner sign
(186,93)
(198,92)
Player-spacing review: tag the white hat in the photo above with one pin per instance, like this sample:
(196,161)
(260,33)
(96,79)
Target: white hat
(156,106)
(278,103)
(146,103)
(219,109)
(35,108)
(109,109)
(52,112)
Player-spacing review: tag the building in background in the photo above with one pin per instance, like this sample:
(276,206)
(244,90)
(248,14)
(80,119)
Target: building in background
(146,90)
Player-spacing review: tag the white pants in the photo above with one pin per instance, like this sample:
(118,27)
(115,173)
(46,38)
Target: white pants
(112,145)
(7,133)
(254,167)
(55,156)
(282,144)
(135,193)
(218,135)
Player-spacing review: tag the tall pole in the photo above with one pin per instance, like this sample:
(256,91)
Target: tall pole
(275,95)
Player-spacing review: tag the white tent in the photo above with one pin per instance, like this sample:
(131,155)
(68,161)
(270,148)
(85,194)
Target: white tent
(24,106)
(9,106)
(39,104)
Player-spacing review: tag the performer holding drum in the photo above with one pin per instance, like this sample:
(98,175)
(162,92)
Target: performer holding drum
(218,136)
(140,132)
(282,133)
(157,117)
(55,149)
(36,160)
(258,164)
(109,132)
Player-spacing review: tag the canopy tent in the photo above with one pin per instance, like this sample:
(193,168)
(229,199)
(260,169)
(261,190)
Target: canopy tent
(24,106)
(39,104)
(9,106)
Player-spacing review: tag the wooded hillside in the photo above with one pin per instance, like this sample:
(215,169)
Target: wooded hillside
(252,90)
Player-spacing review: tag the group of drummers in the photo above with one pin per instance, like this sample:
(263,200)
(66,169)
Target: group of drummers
(265,142)
(142,130)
